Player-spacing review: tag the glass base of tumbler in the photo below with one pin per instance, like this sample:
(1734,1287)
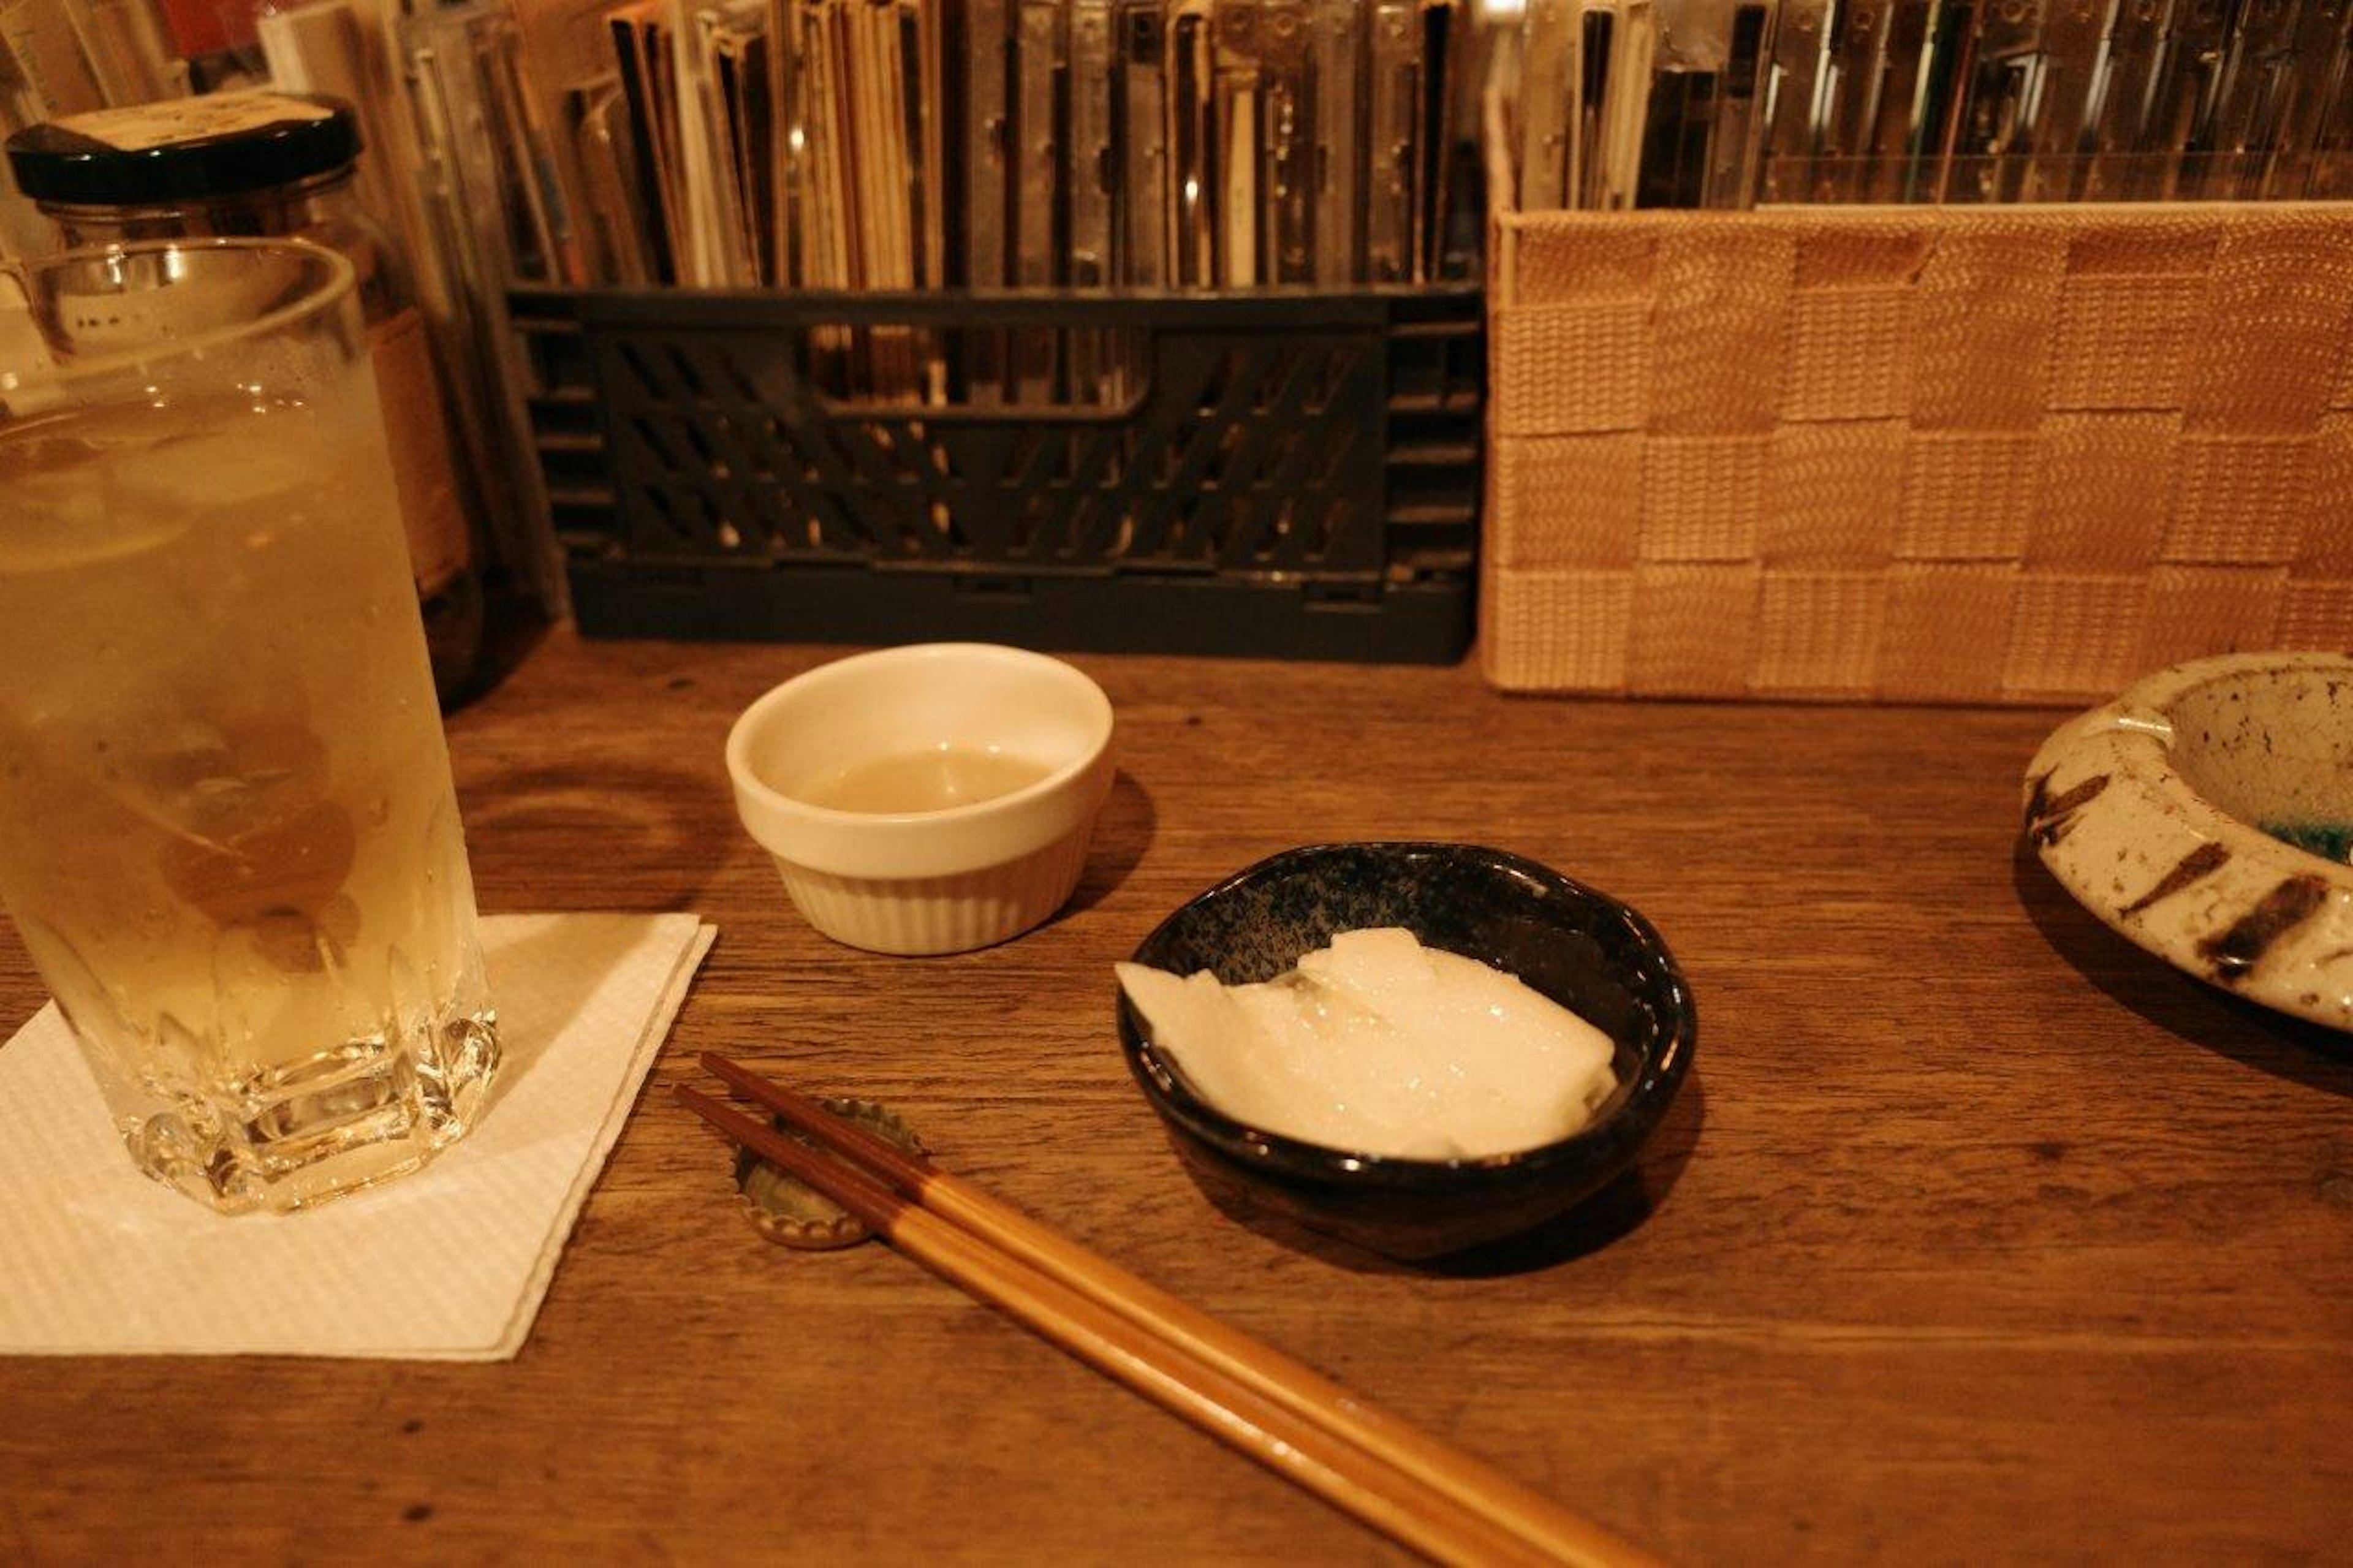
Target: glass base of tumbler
(344,1119)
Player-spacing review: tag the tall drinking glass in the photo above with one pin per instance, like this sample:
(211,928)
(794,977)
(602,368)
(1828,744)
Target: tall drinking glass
(228,835)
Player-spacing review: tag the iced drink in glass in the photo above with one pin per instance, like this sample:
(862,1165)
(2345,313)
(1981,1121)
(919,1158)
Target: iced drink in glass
(227,835)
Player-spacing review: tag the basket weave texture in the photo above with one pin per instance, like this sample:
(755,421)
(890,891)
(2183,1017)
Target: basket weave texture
(1995,455)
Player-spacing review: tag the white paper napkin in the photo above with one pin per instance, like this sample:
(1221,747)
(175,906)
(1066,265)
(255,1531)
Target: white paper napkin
(447,1263)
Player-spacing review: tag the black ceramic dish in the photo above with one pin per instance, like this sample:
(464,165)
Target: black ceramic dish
(1581,948)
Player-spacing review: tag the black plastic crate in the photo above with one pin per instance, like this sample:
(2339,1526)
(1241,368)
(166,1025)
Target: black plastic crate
(1296,474)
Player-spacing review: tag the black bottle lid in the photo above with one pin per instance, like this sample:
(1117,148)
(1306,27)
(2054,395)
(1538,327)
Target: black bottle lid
(187,149)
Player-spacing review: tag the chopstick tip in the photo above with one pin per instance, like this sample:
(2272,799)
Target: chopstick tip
(725,1068)
(701,1104)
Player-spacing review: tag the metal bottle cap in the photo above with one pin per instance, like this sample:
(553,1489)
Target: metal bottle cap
(791,1213)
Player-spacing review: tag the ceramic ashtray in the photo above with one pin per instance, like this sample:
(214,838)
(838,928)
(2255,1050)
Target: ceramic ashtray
(2207,815)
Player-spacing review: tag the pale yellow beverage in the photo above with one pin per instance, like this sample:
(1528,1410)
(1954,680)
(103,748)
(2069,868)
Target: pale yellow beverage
(227,835)
(936,778)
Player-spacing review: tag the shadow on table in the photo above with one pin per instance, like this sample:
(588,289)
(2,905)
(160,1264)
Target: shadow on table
(639,837)
(1614,1212)
(2249,1034)
(1122,833)
(511,628)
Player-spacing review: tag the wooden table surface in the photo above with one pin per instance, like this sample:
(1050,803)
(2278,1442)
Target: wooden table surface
(1975,1235)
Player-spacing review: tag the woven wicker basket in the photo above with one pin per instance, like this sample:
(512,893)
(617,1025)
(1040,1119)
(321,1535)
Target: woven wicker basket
(1969,455)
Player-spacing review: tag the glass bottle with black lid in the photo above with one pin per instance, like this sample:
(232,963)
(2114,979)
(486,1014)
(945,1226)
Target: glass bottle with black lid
(280,164)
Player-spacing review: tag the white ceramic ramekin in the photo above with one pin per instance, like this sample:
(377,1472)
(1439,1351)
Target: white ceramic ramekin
(928,881)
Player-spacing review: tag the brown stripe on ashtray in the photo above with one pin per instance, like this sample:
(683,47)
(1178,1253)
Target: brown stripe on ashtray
(2284,908)
(2049,816)
(2195,866)
(2035,799)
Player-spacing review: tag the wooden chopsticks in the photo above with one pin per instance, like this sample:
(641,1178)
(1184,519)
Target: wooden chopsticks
(1386,1473)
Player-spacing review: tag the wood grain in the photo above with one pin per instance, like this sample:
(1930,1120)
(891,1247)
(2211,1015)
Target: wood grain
(1977,1236)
